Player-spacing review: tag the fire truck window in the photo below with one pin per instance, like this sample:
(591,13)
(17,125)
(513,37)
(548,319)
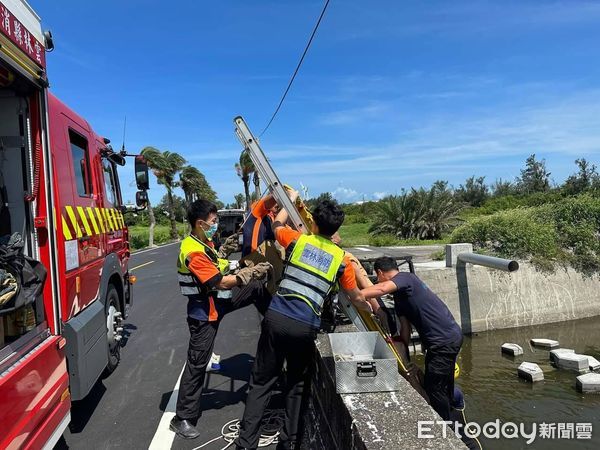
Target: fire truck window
(81,166)
(109,182)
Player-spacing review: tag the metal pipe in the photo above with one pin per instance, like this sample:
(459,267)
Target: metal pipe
(507,265)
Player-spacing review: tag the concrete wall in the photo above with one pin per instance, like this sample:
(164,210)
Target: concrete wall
(384,420)
(485,299)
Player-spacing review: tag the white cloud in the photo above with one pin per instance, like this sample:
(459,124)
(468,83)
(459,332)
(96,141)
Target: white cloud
(374,111)
(492,142)
(346,195)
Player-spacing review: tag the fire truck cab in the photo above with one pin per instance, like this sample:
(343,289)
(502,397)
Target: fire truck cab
(60,195)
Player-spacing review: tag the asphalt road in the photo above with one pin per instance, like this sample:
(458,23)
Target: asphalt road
(124,410)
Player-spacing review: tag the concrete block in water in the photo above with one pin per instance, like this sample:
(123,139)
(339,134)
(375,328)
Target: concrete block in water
(593,362)
(544,343)
(572,361)
(590,382)
(530,372)
(453,250)
(512,349)
(554,354)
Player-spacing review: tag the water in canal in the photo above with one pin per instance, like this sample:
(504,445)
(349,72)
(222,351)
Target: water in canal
(494,391)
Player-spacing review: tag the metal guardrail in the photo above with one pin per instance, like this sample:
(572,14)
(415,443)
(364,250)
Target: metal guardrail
(506,265)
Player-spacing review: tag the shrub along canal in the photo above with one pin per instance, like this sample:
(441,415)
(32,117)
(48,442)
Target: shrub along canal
(493,390)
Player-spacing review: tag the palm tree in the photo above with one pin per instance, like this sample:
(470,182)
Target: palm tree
(256,180)
(418,214)
(239,200)
(194,185)
(165,166)
(244,169)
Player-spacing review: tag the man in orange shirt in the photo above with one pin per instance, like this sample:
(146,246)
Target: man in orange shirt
(314,266)
(258,226)
(212,292)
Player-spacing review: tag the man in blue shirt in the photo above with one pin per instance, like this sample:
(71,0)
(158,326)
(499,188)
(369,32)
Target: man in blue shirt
(440,335)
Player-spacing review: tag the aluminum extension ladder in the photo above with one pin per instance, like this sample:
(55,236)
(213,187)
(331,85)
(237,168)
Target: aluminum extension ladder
(362,320)
(268,175)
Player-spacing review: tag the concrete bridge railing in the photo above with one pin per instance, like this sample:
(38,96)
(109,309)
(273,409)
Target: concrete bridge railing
(484,299)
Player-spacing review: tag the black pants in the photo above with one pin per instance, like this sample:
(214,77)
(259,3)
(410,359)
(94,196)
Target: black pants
(281,338)
(439,377)
(202,339)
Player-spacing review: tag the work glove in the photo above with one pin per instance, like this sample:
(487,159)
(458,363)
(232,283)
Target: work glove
(258,271)
(262,271)
(244,276)
(231,245)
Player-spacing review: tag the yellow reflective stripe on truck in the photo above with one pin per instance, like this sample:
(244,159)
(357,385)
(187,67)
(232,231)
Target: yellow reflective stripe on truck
(106,212)
(74,222)
(65,227)
(90,212)
(106,222)
(114,218)
(84,220)
(121,219)
(100,220)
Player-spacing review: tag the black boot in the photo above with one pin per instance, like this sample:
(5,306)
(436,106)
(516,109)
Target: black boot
(183,428)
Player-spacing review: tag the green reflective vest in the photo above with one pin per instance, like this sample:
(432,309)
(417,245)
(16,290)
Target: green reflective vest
(187,282)
(312,269)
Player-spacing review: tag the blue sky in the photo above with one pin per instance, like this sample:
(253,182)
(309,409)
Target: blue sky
(392,94)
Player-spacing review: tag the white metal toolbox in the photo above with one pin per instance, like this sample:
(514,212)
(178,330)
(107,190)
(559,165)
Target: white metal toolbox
(363,363)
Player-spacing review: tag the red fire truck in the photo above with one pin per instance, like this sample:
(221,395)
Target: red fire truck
(60,192)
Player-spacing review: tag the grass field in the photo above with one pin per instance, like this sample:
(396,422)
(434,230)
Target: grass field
(138,234)
(355,234)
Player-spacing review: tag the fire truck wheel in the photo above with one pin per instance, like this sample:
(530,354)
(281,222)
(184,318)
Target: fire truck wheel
(114,328)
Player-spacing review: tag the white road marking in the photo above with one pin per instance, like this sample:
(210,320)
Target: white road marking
(364,249)
(171,357)
(163,438)
(141,265)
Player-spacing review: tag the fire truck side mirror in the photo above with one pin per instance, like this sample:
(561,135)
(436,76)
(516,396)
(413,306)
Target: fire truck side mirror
(141,174)
(141,199)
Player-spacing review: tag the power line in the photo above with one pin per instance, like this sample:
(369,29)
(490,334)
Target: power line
(297,68)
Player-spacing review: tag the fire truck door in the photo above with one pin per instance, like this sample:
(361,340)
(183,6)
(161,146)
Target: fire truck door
(84,248)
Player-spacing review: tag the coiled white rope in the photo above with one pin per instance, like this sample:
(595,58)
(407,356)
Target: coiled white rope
(271,424)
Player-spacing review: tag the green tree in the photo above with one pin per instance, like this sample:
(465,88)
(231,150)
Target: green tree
(417,214)
(534,177)
(195,186)
(440,210)
(312,202)
(585,179)
(179,207)
(474,192)
(165,167)
(244,168)
(501,188)
(239,200)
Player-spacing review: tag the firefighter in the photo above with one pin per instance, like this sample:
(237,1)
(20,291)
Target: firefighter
(258,226)
(441,336)
(204,278)
(314,265)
